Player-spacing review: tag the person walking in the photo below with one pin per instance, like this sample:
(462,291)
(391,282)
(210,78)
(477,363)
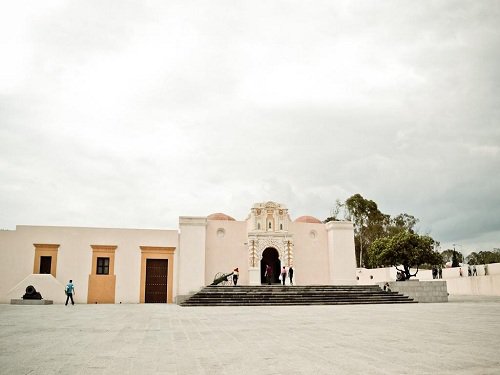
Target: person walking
(236,274)
(70,290)
(290,274)
(283,275)
(269,274)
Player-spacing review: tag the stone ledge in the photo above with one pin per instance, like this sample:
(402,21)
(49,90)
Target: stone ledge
(421,291)
(31,302)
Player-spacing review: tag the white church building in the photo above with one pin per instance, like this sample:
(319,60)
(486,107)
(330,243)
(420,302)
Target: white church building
(144,265)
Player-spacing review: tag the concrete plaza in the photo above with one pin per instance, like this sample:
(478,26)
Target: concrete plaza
(458,337)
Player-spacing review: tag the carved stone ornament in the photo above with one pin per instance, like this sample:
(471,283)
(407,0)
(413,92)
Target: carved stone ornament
(256,249)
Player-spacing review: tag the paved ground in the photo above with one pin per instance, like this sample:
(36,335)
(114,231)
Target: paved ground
(458,337)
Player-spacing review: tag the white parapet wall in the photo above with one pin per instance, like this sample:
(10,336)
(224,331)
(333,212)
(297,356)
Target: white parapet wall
(486,281)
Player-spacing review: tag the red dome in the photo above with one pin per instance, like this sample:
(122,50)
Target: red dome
(308,219)
(220,216)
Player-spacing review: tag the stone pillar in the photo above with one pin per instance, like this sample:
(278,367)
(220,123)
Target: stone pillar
(191,269)
(341,254)
(253,276)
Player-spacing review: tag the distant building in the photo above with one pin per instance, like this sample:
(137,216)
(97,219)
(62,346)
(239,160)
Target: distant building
(143,265)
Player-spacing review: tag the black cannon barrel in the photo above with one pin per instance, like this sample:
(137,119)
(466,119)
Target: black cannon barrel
(221,279)
(31,293)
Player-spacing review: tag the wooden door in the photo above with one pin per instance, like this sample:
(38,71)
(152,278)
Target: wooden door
(156,281)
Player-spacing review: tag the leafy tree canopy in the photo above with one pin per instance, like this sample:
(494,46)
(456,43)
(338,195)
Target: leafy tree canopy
(369,223)
(406,249)
(484,257)
(453,256)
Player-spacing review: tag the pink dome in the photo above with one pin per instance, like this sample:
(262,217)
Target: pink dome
(308,219)
(220,216)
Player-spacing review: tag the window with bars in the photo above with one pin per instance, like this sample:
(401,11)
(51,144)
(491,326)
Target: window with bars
(102,266)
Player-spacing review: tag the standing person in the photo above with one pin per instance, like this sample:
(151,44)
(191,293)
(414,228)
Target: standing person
(469,271)
(236,274)
(434,272)
(440,273)
(474,270)
(283,275)
(70,290)
(460,271)
(269,274)
(290,274)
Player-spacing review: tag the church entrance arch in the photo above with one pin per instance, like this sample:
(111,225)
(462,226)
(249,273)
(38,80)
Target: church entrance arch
(270,256)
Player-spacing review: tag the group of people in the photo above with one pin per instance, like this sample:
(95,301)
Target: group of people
(269,273)
(472,271)
(437,273)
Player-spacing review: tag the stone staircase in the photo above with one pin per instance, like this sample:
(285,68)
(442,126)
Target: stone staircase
(267,295)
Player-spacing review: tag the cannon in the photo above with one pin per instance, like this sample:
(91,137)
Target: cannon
(31,293)
(222,278)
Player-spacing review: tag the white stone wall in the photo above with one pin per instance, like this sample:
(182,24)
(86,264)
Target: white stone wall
(421,291)
(457,285)
(310,252)
(226,249)
(74,257)
(192,245)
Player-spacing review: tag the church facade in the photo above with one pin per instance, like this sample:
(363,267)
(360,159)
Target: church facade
(143,265)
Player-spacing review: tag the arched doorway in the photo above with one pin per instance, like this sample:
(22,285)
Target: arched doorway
(270,256)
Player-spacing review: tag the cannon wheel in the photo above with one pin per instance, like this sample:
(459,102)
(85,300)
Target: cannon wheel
(228,280)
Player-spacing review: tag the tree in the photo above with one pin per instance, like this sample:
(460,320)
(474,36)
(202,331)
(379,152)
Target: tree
(406,249)
(453,256)
(456,259)
(369,223)
(484,257)
(402,222)
(335,212)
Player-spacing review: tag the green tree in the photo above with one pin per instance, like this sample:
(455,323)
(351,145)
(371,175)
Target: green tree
(369,223)
(402,222)
(484,257)
(405,249)
(453,256)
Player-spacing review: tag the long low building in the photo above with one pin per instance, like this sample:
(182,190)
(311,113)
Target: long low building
(163,266)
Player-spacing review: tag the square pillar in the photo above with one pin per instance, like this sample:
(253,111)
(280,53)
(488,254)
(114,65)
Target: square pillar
(341,254)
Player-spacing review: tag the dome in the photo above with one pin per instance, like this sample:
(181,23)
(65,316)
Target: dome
(220,216)
(308,219)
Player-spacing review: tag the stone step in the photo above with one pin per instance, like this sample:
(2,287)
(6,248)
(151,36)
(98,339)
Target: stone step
(293,295)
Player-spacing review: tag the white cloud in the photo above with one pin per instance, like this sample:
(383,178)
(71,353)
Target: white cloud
(131,113)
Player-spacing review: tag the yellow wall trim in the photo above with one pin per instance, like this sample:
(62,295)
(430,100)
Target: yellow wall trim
(48,249)
(102,287)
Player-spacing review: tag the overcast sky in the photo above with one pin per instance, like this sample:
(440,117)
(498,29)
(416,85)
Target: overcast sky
(131,114)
